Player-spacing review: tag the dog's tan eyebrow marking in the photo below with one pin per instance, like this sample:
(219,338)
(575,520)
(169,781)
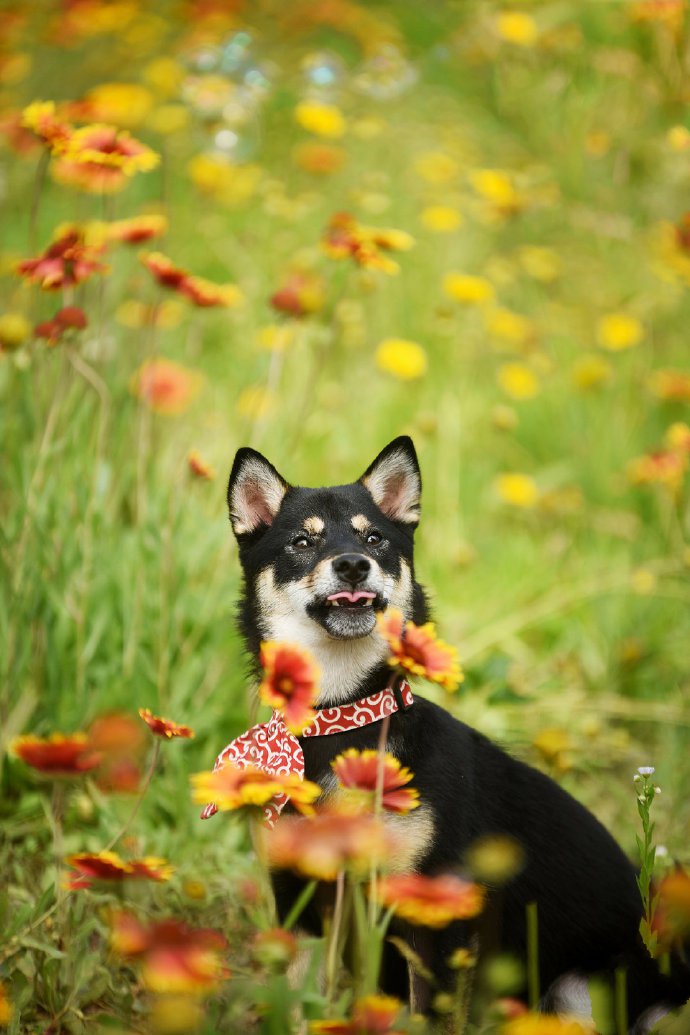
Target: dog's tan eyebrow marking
(314,525)
(360,523)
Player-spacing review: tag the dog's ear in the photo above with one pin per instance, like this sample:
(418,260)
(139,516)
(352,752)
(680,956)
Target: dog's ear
(255,492)
(395,482)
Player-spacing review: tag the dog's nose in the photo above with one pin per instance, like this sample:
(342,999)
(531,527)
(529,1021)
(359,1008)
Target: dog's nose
(352,567)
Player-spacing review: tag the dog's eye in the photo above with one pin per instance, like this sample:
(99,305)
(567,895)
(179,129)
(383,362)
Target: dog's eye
(301,542)
(373,538)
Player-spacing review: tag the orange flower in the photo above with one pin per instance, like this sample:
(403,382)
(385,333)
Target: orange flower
(275,947)
(236,787)
(6,1009)
(330,842)
(416,649)
(544,1024)
(664,467)
(41,119)
(165,386)
(346,238)
(100,159)
(290,683)
(198,467)
(299,295)
(58,754)
(122,743)
(66,262)
(195,289)
(672,917)
(174,957)
(372,1015)
(164,727)
(319,159)
(671,385)
(108,866)
(137,229)
(359,771)
(430,901)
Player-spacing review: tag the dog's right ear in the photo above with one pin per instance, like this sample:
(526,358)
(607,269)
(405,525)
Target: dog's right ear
(255,492)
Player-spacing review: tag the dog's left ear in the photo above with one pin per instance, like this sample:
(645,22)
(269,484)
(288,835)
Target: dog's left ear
(395,482)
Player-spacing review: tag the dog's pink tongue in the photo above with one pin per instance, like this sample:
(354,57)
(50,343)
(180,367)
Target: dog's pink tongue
(361,594)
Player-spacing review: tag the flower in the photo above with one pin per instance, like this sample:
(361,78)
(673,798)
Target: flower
(441,219)
(100,159)
(122,743)
(164,727)
(290,682)
(299,295)
(430,901)
(403,359)
(371,1015)
(173,956)
(137,229)
(58,755)
(198,467)
(512,328)
(519,490)
(40,118)
(495,858)
(108,866)
(329,842)
(346,238)
(672,919)
(669,385)
(468,289)
(66,262)
(6,1010)
(590,372)
(233,787)
(124,104)
(68,318)
(540,263)
(195,289)
(496,187)
(618,331)
(553,744)
(14,330)
(518,381)
(319,159)
(275,947)
(320,118)
(416,649)
(359,771)
(545,1024)
(516,27)
(664,467)
(166,387)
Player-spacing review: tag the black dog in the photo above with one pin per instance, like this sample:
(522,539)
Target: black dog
(318,564)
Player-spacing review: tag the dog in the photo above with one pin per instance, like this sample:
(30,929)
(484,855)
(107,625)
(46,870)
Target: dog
(319,564)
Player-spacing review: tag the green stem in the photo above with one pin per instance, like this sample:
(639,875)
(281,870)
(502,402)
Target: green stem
(621,1002)
(142,793)
(301,903)
(533,955)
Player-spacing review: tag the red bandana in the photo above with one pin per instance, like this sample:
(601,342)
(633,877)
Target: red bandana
(271,746)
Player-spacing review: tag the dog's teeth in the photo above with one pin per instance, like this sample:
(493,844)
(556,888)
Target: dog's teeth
(368,602)
(335,603)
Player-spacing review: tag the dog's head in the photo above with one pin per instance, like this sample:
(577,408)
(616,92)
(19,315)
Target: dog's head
(320,563)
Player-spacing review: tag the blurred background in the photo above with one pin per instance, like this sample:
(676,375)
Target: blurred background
(505,279)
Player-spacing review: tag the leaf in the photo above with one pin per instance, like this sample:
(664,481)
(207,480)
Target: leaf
(46,947)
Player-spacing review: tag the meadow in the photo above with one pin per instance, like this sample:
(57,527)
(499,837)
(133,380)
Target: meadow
(309,228)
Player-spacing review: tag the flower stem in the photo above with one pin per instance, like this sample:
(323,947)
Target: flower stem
(144,788)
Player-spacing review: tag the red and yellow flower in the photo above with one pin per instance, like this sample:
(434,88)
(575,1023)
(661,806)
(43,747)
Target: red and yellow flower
(101,159)
(198,466)
(671,385)
(66,262)
(137,229)
(415,649)
(360,772)
(197,290)
(122,744)
(367,246)
(371,1015)
(330,842)
(164,727)
(108,866)
(430,901)
(545,1024)
(672,916)
(58,754)
(290,682)
(173,957)
(235,787)
(41,119)
(300,294)
(66,319)
(166,387)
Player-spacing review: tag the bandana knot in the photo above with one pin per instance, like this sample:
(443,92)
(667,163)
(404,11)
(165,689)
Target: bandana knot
(272,747)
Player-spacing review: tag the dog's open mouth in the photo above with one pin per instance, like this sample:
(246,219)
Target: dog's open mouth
(345,598)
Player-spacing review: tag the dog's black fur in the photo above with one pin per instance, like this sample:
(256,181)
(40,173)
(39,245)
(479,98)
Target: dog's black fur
(292,542)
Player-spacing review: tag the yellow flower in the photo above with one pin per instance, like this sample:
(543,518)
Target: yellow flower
(14,330)
(678,138)
(553,745)
(442,219)
(164,75)
(510,327)
(590,372)
(546,1024)
(643,582)
(5,1007)
(231,184)
(541,263)
(404,359)
(618,331)
(468,289)
(276,337)
(519,490)
(518,381)
(121,104)
(321,119)
(436,167)
(516,27)
(496,186)
(14,68)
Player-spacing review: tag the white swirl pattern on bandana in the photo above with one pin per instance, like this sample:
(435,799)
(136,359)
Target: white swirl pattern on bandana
(272,747)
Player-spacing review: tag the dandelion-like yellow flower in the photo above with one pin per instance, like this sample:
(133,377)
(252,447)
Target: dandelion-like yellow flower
(619,331)
(403,359)
(519,490)
(320,118)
